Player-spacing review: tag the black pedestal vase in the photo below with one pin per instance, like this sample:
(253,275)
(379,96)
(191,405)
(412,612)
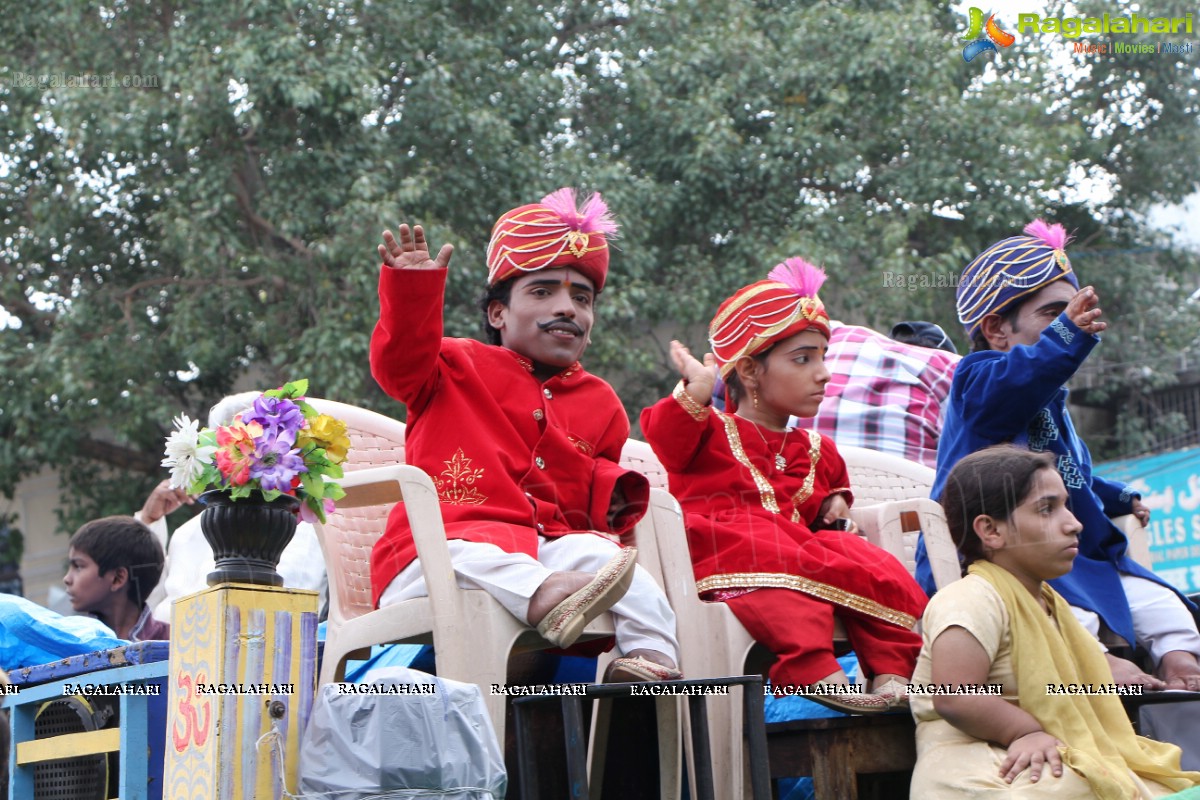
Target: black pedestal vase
(247,535)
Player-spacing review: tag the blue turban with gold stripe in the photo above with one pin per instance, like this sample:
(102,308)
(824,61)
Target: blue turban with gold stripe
(1010,270)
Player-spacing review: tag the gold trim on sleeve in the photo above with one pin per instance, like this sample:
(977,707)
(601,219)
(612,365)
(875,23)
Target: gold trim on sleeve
(694,409)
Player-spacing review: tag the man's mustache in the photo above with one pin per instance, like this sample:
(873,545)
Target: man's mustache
(561,324)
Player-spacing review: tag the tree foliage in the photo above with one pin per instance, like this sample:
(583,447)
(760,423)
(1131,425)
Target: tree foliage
(215,229)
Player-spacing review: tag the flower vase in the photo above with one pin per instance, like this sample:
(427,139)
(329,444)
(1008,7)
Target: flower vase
(247,535)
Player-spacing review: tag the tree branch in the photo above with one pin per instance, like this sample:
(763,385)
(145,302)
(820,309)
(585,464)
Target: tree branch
(120,456)
(258,223)
(125,301)
(566,34)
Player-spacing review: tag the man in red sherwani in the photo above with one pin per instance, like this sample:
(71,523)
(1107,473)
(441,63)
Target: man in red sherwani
(522,444)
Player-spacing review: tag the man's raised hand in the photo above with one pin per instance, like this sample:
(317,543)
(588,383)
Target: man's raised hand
(1084,311)
(411,251)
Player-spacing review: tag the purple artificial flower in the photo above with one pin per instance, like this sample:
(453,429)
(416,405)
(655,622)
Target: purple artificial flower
(310,516)
(275,414)
(276,463)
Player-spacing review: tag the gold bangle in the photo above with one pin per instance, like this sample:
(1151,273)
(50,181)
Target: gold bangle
(695,410)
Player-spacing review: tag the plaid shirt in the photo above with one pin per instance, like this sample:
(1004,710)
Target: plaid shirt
(884,394)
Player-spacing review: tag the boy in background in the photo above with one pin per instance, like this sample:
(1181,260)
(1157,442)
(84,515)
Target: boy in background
(113,565)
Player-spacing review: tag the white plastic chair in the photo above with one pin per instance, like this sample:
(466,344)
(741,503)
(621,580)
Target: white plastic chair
(375,440)
(879,477)
(892,507)
(639,457)
(713,643)
(471,633)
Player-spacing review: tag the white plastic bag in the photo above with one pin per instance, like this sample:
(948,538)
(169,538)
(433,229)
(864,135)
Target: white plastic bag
(431,739)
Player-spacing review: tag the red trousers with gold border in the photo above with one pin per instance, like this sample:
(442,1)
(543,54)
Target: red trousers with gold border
(798,629)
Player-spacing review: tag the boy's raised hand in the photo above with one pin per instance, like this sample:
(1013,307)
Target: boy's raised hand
(698,378)
(1084,311)
(162,501)
(412,251)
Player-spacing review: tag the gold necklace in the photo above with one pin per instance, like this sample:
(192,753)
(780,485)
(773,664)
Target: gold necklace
(765,492)
(780,462)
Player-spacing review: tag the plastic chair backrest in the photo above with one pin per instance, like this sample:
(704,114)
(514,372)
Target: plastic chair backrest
(639,457)
(376,440)
(879,477)
(351,532)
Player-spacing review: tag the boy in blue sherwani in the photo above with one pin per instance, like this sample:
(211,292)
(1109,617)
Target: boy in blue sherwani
(1031,328)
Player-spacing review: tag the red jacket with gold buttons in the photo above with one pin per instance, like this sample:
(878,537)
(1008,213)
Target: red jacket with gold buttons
(512,457)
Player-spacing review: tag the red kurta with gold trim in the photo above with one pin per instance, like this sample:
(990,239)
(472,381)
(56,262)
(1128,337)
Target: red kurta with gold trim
(512,457)
(748,522)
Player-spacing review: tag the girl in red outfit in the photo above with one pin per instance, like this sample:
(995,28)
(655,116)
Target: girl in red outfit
(765,506)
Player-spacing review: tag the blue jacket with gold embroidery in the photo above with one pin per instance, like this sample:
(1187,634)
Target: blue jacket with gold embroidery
(1020,397)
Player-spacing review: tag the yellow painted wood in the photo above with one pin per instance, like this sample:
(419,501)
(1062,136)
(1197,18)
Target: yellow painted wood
(215,635)
(68,745)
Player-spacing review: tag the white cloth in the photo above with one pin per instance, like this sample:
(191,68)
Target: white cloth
(190,559)
(1161,622)
(159,529)
(642,619)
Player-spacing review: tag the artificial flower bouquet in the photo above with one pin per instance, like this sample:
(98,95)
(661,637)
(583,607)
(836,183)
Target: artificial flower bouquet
(279,446)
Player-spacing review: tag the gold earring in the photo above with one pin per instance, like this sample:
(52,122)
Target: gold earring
(754,398)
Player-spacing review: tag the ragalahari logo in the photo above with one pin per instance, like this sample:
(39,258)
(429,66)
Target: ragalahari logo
(984,37)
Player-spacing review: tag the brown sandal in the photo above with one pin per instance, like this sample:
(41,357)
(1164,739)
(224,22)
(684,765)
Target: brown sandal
(566,621)
(895,691)
(832,695)
(638,669)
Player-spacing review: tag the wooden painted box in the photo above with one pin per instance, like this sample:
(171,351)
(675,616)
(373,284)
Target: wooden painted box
(241,684)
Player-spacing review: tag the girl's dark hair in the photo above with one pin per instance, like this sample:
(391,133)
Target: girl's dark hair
(501,291)
(123,542)
(991,482)
(737,392)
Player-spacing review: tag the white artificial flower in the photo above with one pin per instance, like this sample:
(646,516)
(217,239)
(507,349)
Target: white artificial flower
(185,458)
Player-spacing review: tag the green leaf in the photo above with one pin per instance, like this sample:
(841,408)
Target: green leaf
(166,246)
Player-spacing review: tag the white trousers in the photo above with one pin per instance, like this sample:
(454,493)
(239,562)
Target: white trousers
(1161,622)
(642,619)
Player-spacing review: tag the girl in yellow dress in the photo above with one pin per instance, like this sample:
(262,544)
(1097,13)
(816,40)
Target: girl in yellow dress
(1012,697)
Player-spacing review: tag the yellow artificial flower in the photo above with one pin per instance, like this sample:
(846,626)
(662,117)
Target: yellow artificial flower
(329,434)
